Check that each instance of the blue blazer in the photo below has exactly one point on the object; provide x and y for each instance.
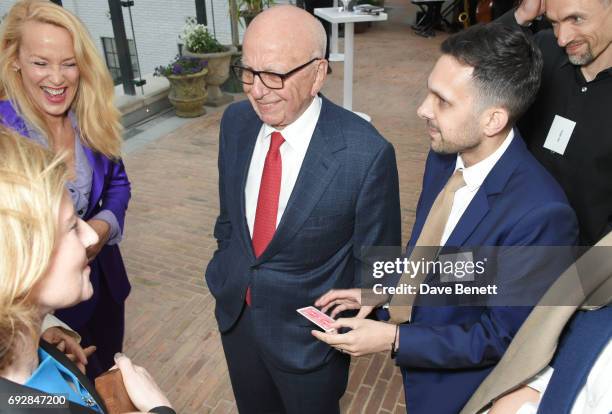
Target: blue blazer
(346, 196)
(581, 343)
(110, 190)
(446, 352)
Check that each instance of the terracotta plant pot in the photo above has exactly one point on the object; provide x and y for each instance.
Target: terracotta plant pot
(188, 93)
(218, 72)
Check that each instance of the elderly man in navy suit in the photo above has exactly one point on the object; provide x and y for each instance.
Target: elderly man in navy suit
(481, 187)
(303, 185)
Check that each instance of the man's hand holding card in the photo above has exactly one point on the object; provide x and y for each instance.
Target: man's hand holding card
(319, 318)
(365, 337)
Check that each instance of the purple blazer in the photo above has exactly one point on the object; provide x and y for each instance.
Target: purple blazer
(110, 190)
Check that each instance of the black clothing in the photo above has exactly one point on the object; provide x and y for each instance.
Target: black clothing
(585, 169)
(8, 388)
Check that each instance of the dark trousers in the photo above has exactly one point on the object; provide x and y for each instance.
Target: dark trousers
(104, 324)
(262, 388)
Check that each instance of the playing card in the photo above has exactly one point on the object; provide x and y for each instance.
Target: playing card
(317, 317)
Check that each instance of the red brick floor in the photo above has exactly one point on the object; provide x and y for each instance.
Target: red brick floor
(170, 323)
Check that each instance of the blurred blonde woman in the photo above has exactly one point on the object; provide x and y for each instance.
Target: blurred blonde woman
(43, 268)
(55, 90)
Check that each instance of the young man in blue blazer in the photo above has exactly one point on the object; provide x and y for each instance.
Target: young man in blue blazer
(485, 79)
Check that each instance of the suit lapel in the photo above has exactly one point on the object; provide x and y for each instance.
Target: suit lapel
(535, 343)
(575, 358)
(245, 152)
(10, 388)
(61, 358)
(494, 184)
(96, 161)
(10, 118)
(318, 169)
(472, 216)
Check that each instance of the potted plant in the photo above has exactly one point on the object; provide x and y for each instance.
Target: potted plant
(201, 44)
(248, 9)
(187, 77)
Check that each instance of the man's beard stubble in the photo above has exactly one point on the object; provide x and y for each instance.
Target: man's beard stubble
(469, 139)
(583, 58)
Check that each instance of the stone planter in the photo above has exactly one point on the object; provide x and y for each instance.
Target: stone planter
(218, 72)
(233, 84)
(188, 93)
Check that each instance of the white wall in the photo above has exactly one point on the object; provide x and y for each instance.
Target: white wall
(157, 24)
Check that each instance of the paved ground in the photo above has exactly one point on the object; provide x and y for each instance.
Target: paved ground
(170, 323)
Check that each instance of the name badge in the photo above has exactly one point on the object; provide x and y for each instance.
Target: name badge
(559, 134)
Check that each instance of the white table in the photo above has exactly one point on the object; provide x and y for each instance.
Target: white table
(334, 16)
(334, 55)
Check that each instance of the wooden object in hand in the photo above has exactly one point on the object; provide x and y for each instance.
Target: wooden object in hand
(112, 391)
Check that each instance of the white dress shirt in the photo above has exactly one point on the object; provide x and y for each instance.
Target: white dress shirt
(595, 396)
(297, 138)
(474, 176)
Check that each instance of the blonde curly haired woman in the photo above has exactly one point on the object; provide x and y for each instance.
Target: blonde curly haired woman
(55, 90)
(43, 268)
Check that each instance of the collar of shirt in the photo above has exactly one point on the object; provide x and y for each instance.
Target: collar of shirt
(580, 76)
(80, 188)
(475, 175)
(299, 132)
(53, 378)
(39, 137)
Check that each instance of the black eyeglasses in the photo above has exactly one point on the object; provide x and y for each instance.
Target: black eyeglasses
(271, 80)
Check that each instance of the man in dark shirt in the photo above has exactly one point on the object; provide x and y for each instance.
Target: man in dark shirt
(569, 126)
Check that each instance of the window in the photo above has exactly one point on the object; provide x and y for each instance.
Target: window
(112, 58)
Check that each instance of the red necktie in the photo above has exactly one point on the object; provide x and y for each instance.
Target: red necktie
(267, 202)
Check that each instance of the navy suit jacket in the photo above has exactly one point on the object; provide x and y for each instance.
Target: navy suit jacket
(584, 338)
(346, 196)
(446, 352)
